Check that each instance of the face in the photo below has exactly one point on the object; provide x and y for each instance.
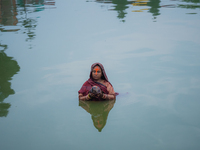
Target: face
(96, 73)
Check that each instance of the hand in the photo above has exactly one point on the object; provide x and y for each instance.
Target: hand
(105, 96)
(91, 95)
(99, 95)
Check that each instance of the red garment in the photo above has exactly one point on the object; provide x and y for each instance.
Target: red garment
(91, 82)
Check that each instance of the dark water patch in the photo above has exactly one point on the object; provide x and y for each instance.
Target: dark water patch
(4, 109)
(188, 6)
(153, 6)
(8, 68)
(191, 13)
(191, 1)
(121, 6)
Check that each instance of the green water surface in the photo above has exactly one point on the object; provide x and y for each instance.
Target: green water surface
(151, 53)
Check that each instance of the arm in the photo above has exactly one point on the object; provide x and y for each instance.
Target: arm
(108, 96)
(88, 97)
(111, 94)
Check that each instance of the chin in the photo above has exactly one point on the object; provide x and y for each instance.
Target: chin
(96, 78)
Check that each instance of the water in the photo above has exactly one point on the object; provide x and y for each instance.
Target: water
(150, 50)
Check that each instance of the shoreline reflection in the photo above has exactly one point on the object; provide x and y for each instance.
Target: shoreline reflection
(99, 111)
(14, 15)
(122, 5)
(8, 68)
(151, 6)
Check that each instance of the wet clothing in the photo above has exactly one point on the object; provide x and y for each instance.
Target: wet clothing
(106, 87)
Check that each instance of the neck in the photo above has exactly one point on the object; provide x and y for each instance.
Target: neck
(98, 80)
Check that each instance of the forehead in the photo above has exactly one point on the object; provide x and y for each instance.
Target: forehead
(97, 68)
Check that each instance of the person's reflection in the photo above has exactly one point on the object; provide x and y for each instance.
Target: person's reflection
(99, 111)
(8, 68)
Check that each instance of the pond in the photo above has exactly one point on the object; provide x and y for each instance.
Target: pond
(150, 50)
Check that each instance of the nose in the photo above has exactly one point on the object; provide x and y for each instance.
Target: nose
(96, 72)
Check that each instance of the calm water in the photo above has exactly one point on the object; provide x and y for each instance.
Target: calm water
(151, 53)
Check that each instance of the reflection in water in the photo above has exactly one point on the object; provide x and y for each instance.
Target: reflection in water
(99, 111)
(8, 68)
(14, 15)
(8, 14)
(191, 4)
(121, 5)
(31, 6)
(4, 109)
(30, 25)
(191, 1)
(152, 5)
